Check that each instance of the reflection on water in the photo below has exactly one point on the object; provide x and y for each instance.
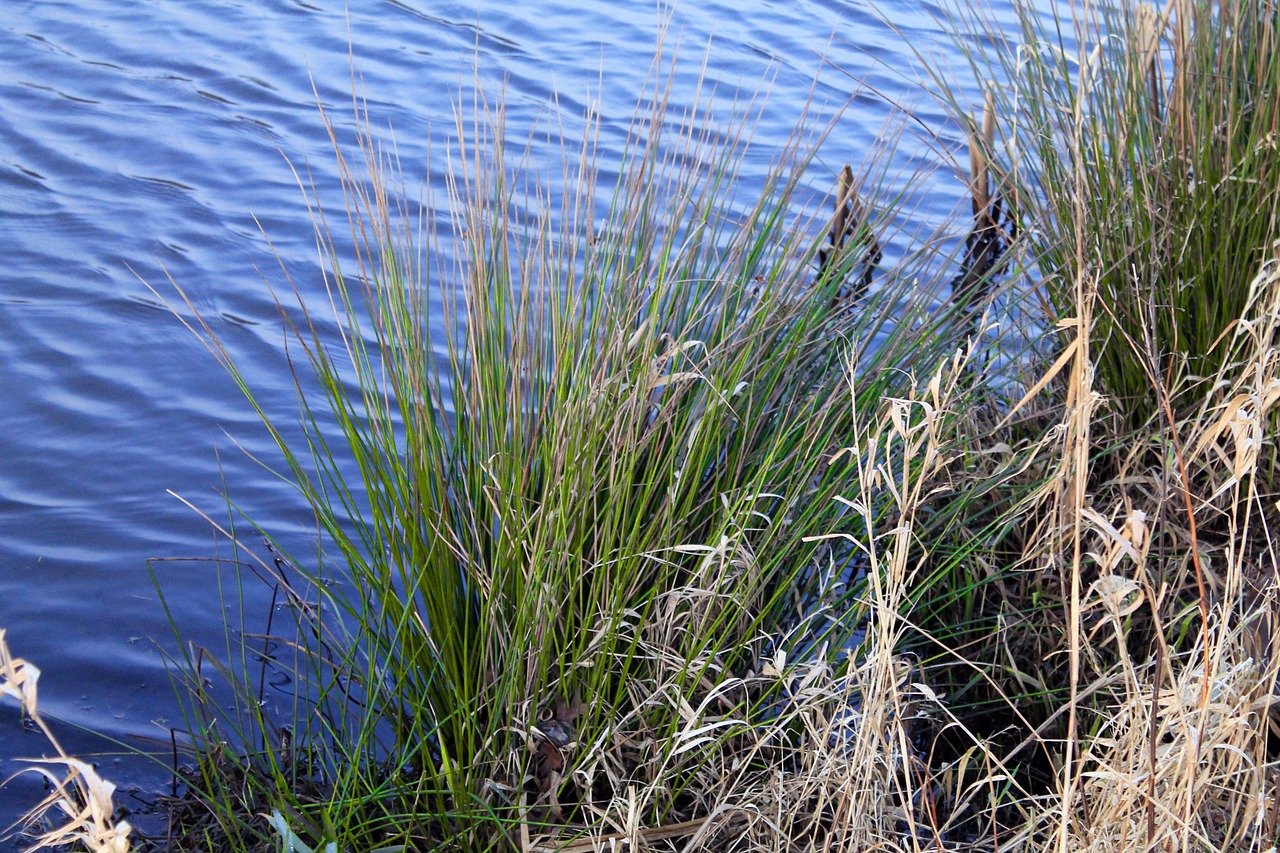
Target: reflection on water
(140, 138)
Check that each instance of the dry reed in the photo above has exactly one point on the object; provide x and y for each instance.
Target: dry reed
(83, 798)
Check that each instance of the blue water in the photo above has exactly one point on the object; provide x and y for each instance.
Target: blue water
(146, 140)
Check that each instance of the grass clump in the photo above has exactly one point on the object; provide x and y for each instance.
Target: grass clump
(1138, 146)
(1113, 539)
(569, 509)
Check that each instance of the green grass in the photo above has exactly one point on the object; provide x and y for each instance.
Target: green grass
(556, 536)
(1138, 146)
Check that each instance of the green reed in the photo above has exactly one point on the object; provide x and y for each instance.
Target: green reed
(603, 487)
(1137, 143)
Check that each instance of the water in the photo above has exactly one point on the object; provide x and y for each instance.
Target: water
(145, 140)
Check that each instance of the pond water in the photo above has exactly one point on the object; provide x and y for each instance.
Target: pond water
(140, 140)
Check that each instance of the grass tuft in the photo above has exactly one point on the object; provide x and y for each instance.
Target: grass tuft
(573, 464)
(1140, 145)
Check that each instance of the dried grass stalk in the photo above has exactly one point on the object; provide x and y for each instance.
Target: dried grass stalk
(84, 799)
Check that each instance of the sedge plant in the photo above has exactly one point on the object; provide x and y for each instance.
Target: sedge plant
(570, 460)
(1137, 143)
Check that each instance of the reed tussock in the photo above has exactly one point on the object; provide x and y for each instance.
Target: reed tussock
(1137, 143)
(574, 480)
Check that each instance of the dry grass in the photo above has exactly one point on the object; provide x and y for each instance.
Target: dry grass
(80, 797)
(1181, 557)
(1163, 581)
